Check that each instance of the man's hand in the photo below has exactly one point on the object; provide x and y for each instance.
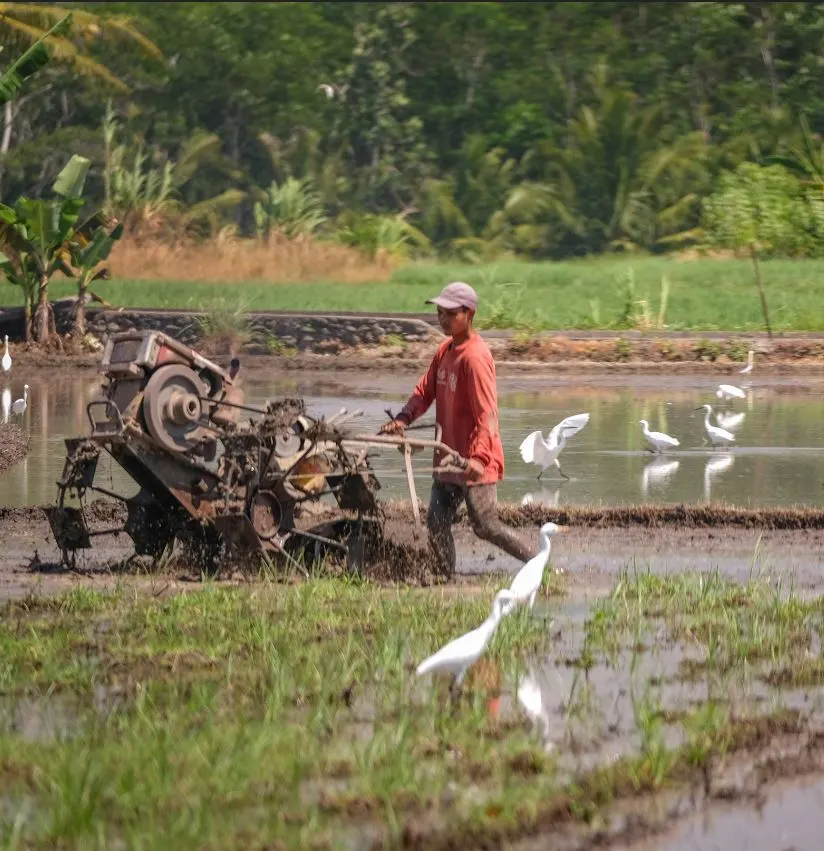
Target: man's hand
(393, 427)
(474, 470)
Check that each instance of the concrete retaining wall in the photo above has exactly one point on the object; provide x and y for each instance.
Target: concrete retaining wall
(263, 332)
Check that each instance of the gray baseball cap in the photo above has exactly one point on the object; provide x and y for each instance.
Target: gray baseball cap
(455, 295)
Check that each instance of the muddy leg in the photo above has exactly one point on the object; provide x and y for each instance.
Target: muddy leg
(443, 506)
(481, 505)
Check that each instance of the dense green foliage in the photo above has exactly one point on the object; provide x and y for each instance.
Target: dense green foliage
(476, 130)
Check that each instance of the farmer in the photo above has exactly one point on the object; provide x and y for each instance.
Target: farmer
(461, 382)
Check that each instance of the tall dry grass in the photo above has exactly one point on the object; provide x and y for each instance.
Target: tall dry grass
(229, 258)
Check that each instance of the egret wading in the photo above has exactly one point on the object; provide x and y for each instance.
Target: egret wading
(460, 654)
(748, 368)
(535, 450)
(20, 404)
(657, 440)
(5, 361)
(527, 582)
(730, 391)
(717, 436)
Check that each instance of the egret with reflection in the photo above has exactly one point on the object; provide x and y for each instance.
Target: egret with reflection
(20, 405)
(657, 440)
(461, 653)
(725, 392)
(5, 362)
(535, 450)
(717, 436)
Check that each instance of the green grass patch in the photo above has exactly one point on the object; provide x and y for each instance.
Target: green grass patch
(607, 292)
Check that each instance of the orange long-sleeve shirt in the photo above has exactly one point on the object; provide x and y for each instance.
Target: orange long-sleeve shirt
(461, 382)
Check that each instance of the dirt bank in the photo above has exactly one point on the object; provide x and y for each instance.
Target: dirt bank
(14, 445)
(519, 354)
(597, 544)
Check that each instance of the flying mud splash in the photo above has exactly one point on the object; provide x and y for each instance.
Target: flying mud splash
(215, 483)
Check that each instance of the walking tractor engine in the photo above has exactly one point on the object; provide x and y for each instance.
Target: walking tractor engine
(211, 480)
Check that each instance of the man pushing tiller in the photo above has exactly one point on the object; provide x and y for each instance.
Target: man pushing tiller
(461, 382)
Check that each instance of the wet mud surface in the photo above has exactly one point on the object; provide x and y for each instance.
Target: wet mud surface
(14, 445)
(593, 548)
(751, 796)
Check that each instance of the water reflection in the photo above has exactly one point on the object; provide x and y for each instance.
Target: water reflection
(5, 403)
(714, 467)
(779, 455)
(730, 421)
(531, 698)
(657, 472)
(542, 497)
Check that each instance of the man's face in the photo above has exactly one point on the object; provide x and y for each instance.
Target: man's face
(454, 322)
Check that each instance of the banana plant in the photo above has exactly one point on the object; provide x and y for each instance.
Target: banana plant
(34, 235)
(87, 249)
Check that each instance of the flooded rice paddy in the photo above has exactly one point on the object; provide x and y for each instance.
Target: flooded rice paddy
(777, 459)
(666, 687)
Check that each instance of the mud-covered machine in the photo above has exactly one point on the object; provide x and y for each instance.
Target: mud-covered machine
(212, 480)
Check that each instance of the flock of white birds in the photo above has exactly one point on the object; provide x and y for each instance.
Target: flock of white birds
(544, 452)
(19, 405)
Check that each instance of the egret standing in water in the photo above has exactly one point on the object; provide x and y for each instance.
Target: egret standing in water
(748, 368)
(657, 440)
(460, 654)
(535, 450)
(718, 436)
(20, 404)
(5, 361)
(730, 391)
(527, 582)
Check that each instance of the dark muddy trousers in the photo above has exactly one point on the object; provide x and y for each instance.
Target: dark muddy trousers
(481, 502)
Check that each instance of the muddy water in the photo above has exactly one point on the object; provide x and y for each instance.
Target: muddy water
(790, 818)
(778, 458)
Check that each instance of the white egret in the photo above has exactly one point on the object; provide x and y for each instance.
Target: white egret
(730, 421)
(328, 90)
(718, 436)
(5, 402)
(730, 391)
(748, 368)
(535, 450)
(527, 582)
(657, 439)
(461, 653)
(5, 361)
(658, 472)
(20, 404)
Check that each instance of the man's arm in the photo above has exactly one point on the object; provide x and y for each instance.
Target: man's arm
(422, 396)
(418, 403)
(483, 406)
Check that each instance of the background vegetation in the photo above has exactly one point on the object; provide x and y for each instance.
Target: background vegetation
(544, 130)
(338, 141)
